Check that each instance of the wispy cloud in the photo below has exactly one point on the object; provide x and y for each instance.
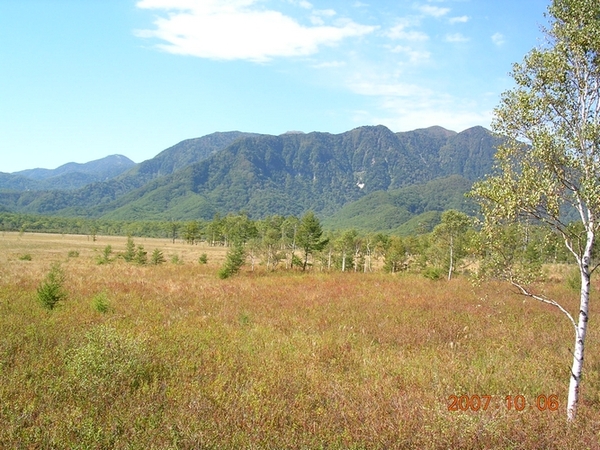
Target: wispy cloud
(434, 11)
(406, 106)
(414, 56)
(456, 38)
(498, 39)
(236, 29)
(459, 19)
(401, 32)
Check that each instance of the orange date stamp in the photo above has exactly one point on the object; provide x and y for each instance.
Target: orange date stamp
(511, 402)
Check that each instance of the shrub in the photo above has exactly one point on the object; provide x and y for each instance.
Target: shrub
(105, 257)
(51, 291)
(233, 262)
(108, 363)
(175, 259)
(141, 256)
(25, 257)
(73, 254)
(157, 257)
(203, 258)
(433, 273)
(100, 302)
(130, 253)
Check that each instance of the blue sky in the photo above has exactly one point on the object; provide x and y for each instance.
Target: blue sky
(80, 80)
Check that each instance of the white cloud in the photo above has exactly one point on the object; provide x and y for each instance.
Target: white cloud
(456, 37)
(406, 106)
(329, 65)
(305, 4)
(414, 56)
(434, 11)
(233, 29)
(498, 39)
(460, 19)
(400, 32)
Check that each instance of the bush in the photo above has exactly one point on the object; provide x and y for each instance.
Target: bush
(233, 262)
(433, 273)
(130, 253)
(141, 256)
(25, 257)
(108, 363)
(51, 291)
(100, 303)
(73, 254)
(105, 257)
(157, 257)
(203, 258)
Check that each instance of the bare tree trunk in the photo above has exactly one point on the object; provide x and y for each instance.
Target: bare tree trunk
(580, 332)
(451, 259)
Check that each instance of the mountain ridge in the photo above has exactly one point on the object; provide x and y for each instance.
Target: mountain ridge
(264, 175)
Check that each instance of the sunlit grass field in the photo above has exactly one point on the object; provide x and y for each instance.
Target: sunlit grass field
(178, 358)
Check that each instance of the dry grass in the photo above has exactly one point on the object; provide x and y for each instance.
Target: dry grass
(271, 361)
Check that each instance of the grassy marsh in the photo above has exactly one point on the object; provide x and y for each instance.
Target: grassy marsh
(182, 359)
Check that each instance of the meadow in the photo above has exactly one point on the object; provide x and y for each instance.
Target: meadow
(170, 356)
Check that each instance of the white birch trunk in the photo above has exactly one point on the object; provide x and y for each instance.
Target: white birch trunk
(451, 259)
(581, 329)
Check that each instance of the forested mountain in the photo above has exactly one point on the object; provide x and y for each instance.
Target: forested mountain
(413, 209)
(287, 174)
(68, 176)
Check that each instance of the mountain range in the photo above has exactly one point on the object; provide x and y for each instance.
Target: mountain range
(368, 177)
(68, 176)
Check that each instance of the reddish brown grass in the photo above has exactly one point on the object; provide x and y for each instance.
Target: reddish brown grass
(281, 360)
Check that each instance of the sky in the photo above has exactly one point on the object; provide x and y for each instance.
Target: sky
(81, 80)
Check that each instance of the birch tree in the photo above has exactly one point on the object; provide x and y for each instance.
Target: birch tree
(451, 232)
(550, 163)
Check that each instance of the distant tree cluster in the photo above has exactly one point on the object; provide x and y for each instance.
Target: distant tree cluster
(278, 242)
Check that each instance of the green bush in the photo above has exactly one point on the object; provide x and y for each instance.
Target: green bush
(105, 257)
(100, 302)
(130, 252)
(433, 273)
(203, 258)
(25, 257)
(73, 254)
(233, 261)
(157, 257)
(141, 256)
(51, 291)
(108, 363)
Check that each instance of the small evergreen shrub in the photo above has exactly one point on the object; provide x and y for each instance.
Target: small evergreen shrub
(130, 252)
(157, 257)
(100, 303)
(25, 257)
(51, 291)
(233, 261)
(105, 257)
(203, 258)
(141, 256)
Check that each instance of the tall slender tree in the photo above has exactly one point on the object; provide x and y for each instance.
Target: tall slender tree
(309, 236)
(551, 160)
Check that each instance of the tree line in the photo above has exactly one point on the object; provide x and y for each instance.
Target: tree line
(291, 242)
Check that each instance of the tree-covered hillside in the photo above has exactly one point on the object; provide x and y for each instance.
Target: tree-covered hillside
(288, 175)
